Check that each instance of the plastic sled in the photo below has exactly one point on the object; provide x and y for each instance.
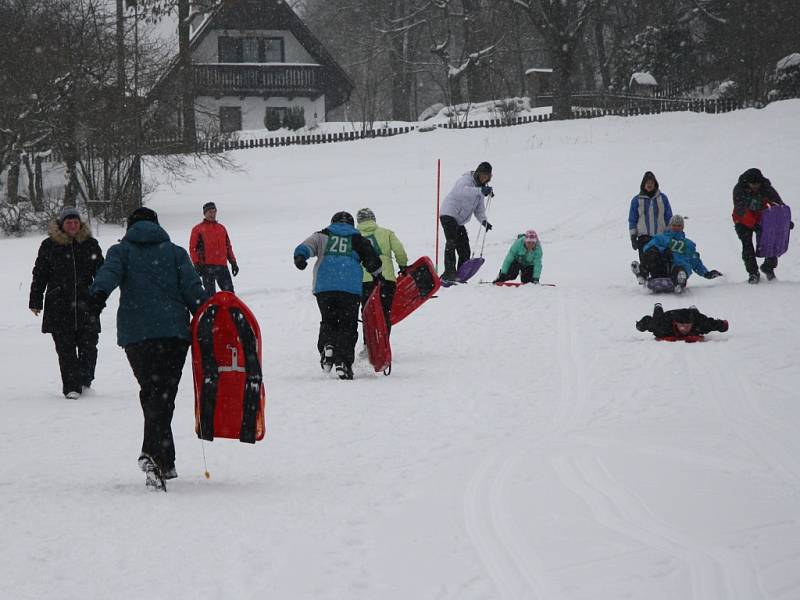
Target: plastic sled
(229, 397)
(773, 237)
(689, 339)
(414, 289)
(376, 333)
(469, 268)
(661, 285)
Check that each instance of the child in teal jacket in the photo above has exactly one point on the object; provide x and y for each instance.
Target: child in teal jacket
(524, 256)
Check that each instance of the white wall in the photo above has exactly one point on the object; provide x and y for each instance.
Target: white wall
(254, 108)
(208, 50)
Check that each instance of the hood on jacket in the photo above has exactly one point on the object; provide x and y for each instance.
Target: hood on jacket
(342, 229)
(62, 239)
(367, 226)
(146, 232)
(753, 176)
(648, 175)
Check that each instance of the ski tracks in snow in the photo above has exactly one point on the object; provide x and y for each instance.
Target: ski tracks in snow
(511, 562)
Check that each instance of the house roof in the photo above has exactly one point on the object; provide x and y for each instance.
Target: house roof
(643, 78)
(269, 14)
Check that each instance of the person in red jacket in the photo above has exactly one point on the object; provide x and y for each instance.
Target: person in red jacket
(211, 251)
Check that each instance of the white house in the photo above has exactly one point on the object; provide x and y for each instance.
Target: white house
(251, 58)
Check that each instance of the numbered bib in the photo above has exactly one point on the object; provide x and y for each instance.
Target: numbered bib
(339, 245)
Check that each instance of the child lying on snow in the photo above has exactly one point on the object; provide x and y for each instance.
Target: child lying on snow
(687, 324)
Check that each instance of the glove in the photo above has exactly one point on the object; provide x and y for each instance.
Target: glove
(36, 311)
(791, 225)
(487, 190)
(634, 242)
(756, 204)
(712, 274)
(96, 304)
(487, 225)
(300, 262)
(234, 269)
(402, 270)
(535, 280)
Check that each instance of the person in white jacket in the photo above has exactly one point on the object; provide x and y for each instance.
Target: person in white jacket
(464, 200)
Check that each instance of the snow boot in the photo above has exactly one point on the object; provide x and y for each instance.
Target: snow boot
(326, 358)
(680, 281)
(754, 278)
(154, 477)
(770, 273)
(72, 395)
(640, 278)
(344, 371)
(170, 473)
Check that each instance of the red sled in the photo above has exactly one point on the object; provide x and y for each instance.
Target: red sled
(376, 333)
(229, 396)
(689, 339)
(414, 289)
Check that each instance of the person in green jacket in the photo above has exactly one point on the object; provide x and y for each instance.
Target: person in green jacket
(524, 256)
(386, 245)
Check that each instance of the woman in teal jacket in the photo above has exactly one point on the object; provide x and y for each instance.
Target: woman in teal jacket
(524, 256)
(159, 289)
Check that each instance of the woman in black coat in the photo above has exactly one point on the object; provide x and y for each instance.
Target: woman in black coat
(65, 267)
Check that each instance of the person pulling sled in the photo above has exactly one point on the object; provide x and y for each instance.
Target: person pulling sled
(340, 250)
(680, 324)
(464, 200)
(673, 256)
(524, 258)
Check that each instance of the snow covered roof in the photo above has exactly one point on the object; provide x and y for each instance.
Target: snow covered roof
(642, 78)
(787, 62)
(538, 70)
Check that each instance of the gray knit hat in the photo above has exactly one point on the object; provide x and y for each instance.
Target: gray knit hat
(365, 214)
(676, 220)
(68, 212)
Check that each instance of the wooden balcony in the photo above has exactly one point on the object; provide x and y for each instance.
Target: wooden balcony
(257, 80)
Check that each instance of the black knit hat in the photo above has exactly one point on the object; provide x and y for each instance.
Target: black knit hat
(343, 217)
(142, 214)
(209, 206)
(484, 167)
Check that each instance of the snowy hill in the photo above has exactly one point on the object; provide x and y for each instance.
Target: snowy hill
(530, 443)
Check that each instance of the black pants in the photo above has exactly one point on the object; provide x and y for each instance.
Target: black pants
(77, 357)
(655, 264)
(641, 241)
(157, 366)
(339, 325)
(216, 274)
(745, 235)
(514, 270)
(388, 290)
(455, 240)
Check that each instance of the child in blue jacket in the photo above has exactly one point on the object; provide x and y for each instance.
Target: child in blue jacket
(672, 254)
(340, 250)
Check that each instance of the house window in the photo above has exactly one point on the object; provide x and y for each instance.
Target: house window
(273, 50)
(230, 50)
(250, 50)
(230, 119)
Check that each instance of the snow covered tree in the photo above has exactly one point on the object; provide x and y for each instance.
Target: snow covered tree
(561, 23)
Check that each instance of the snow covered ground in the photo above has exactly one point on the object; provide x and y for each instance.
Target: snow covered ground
(529, 443)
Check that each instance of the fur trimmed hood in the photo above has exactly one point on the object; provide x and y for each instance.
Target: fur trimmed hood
(62, 239)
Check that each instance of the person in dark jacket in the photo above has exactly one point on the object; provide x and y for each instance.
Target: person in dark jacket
(649, 214)
(340, 250)
(65, 268)
(159, 289)
(751, 195)
(679, 324)
(211, 250)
